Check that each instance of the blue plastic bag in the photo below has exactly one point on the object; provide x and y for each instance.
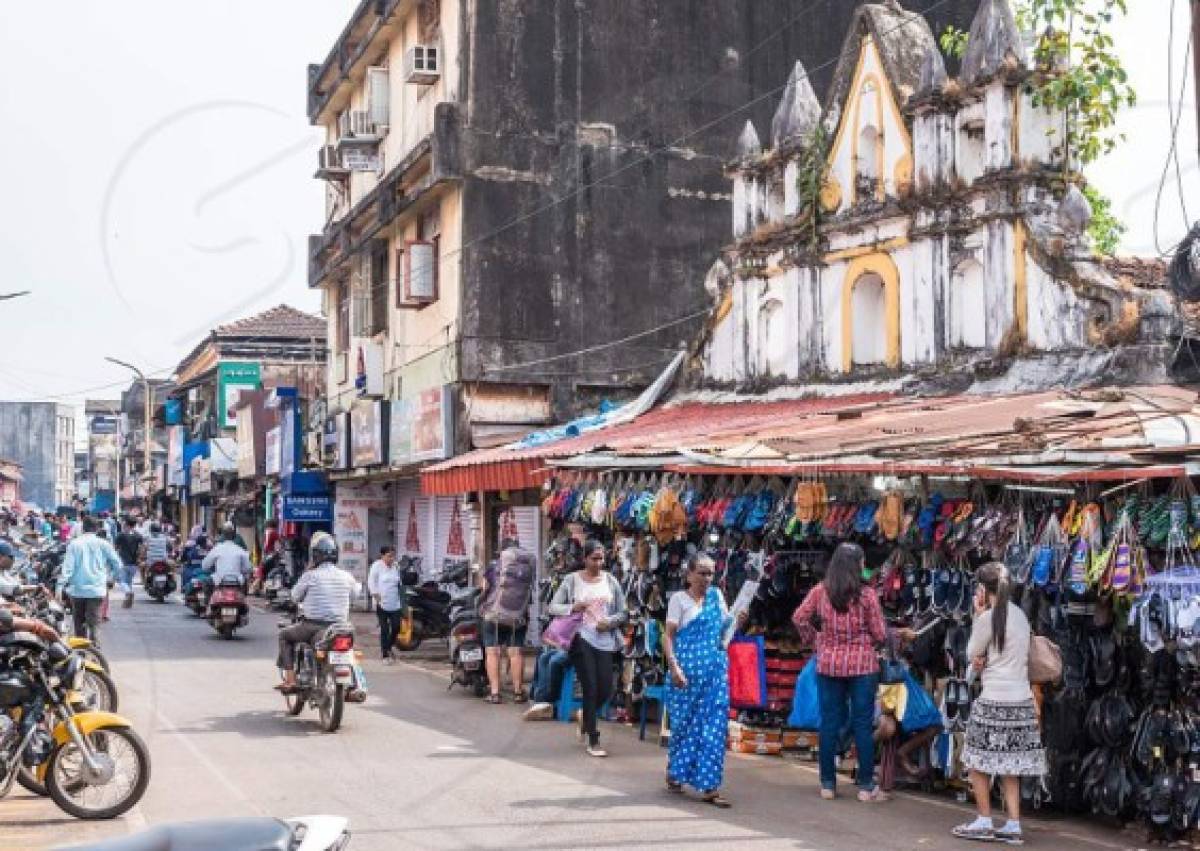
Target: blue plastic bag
(806, 705)
(920, 711)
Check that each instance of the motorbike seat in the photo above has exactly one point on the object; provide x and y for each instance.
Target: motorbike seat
(267, 834)
(230, 582)
(326, 636)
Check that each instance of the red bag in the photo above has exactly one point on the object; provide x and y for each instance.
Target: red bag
(747, 672)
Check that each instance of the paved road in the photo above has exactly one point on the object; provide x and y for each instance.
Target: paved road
(420, 767)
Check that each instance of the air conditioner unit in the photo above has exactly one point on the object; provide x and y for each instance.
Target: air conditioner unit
(422, 64)
(329, 163)
(355, 127)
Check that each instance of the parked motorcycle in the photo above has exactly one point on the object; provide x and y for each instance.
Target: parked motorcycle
(306, 833)
(429, 604)
(227, 606)
(466, 646)
(160, 581)
(92, 764)
(277, 587)
(328, 675)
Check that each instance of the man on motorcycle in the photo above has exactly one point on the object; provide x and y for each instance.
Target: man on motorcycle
(158, 549)
(227, 558)
(324, 592)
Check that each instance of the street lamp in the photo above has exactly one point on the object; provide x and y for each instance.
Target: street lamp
(145, 427)
(9, 296)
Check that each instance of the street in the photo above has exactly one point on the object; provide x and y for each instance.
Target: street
(420, 767)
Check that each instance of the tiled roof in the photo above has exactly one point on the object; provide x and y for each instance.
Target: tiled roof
(1149, 273)
(280, 321)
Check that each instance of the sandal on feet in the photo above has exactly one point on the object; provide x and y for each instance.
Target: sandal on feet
(284, 688)
(717, 800)
(828, 794)
(674, 786)
(521, 696)
(871, 796)
(494, 698)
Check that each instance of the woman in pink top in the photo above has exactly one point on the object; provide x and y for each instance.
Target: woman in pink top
(847, 624)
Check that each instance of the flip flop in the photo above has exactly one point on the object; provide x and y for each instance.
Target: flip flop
(717, 800)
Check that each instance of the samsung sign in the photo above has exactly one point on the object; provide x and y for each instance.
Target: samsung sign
(307, 509)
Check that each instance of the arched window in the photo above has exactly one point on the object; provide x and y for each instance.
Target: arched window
(868, 307)
(968, 314)
(772, 339)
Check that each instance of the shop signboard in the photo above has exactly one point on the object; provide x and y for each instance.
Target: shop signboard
(201, 476)
(271, 451)
(351, 525)
(287, 442)
(232, 379)
(367, 433)
(422, 427)
(223, 457)
(176, 436)
(102, 425)
(247, 462)
(300, 508)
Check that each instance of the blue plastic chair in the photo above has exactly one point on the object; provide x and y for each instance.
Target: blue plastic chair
(568, 702)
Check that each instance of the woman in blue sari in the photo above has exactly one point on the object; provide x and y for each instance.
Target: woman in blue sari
(698, 624)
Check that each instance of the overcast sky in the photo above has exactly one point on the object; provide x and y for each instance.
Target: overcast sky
(158, 173)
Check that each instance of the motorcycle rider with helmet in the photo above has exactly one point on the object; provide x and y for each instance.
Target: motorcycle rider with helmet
(324, 593)
(227, 558)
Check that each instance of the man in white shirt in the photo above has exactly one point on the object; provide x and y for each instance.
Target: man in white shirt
(227, 558)
(383, 582)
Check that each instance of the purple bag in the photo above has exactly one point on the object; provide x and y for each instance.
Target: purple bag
(562, 631)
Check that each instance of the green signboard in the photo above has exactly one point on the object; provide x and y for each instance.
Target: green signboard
(232, 379)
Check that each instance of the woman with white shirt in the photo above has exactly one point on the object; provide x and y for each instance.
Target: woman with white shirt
(1002, 734)
(596, 595)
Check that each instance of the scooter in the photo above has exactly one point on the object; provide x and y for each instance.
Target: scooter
(277, 588)
(227, 606)
(160, 581)
(466, 646)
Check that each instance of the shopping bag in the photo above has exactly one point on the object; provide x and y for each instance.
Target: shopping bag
(806, 705)
(920, 711)
(747, 672)
(562, 630)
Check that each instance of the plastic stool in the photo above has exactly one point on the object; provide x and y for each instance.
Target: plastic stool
(568, 702)
(652, 693)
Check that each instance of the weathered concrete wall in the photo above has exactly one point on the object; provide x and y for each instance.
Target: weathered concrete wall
(27, 436)
(594, 96)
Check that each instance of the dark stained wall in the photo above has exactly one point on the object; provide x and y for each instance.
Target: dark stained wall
(594, 137)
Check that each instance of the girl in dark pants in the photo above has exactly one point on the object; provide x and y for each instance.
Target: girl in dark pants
(596, 595)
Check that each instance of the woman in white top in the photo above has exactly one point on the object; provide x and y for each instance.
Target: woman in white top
(596, 594)
(1002, 734)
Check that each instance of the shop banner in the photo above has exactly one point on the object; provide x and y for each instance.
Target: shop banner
(247, 461)
(176, 436)
(368, 434)
(287, 442)
(232, 379)
(298, 508)
(201, 476)
(224, 455)
(422, 427)
(439, 531)
(350, 525)
(271, 451)
(341, 449)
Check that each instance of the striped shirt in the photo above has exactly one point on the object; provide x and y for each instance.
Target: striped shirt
(846, 641)
(325, 592)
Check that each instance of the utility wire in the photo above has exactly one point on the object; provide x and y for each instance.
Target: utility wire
(1174, 118)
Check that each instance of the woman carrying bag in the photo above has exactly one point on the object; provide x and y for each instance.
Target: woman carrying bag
(596, 595)
(698, 624)
(1002, 733)
(846, 621)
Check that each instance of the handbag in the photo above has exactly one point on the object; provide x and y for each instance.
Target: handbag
(562, 631)
(892, 670)
(1045, 661)
(747, 672)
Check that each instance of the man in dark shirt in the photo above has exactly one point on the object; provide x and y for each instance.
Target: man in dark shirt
(128, 545)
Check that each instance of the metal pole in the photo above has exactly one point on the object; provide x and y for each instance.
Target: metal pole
(146, 442)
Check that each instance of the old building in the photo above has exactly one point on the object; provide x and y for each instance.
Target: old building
(40, 436)
(104, 432)
(511, 183)
(279, 347)
(919, 224)
(10, 483)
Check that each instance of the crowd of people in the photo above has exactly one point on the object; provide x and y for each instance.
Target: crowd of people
(841, 619)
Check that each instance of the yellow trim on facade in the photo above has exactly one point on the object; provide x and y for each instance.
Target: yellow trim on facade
(864, 250)
(1020, 284)
(882, 265)
(839, 137)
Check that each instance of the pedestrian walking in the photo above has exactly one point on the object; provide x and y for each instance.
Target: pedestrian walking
(845, 620)
(89, 565)
(698, 627)
(1002, 732)
(128, 545)
(597, 595)
(383, 583)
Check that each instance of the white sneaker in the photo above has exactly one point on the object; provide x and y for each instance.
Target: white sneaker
(596, 750)
(539, 712)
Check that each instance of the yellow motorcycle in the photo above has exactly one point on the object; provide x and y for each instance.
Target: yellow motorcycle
(91, 763)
